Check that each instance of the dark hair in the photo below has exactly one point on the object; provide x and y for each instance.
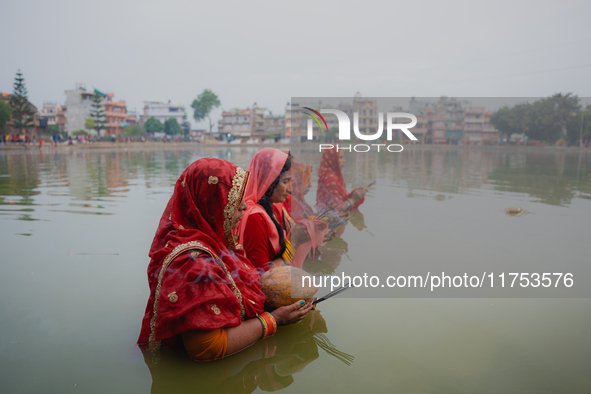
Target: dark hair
(266, 203)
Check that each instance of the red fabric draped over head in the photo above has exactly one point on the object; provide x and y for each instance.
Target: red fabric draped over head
(199, 278)
(332, 190)
(265, 167)
(302, 174)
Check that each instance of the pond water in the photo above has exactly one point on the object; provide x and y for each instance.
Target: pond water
(77, 225)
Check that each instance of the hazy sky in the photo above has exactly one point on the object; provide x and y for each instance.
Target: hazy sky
(267, 52)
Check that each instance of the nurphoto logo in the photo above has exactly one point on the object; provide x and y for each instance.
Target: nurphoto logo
(392, 123)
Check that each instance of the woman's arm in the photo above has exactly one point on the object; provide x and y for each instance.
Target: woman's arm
(237, 338)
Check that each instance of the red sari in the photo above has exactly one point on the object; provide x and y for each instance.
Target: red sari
(332, 190)
(256, 230)
(199, 278)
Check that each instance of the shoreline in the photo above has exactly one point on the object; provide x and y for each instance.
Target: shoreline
(192, 145)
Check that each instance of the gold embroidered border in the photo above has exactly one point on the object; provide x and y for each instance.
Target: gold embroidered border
(171, 256)
(234, 199)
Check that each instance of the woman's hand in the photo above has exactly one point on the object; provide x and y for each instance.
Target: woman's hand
(359, 194)
(291, 314)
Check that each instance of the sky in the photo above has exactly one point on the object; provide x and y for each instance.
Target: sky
(267, 52)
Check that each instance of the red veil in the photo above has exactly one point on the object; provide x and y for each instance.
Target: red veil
(265, 167)
(332, 190)
(302, 174)
(199, 278)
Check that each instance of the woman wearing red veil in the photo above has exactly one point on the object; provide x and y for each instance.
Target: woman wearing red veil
(332, 190)
(204, 292)
(265, 239)
(302, 176)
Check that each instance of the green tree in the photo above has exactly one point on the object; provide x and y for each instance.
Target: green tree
(89, 124)
(22, 110)
(5, 115)
(172, 127)
(186, 126)
(203, 105)
(574, 129)
(153, 125)
(135, 131)
(97, 111)
(500, 120)
(79, 132)
(53, 129)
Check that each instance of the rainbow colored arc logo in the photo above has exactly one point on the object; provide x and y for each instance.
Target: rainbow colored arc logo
(315, 118)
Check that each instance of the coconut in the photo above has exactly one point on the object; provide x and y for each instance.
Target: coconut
(277, 286)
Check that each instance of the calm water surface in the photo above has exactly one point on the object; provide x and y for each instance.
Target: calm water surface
(77, 225)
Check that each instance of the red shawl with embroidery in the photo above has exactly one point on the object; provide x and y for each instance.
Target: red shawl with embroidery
(199, 278)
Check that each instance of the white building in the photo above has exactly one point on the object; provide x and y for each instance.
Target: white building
(78, 102)
(163, 112)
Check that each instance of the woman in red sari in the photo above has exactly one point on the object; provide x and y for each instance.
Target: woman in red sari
(203, 290)
(261, 232)
(332, 190)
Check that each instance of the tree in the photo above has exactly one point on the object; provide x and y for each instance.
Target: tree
(53, 129)
(153, 126)
(79, 132)
(547, 119)
(186, 126)
(5, 115)
(97, 111)
(134, 130)
(500, 120)
(172, 127)
(22, 111)
(574, 128)
(203, 105)
(89, 124)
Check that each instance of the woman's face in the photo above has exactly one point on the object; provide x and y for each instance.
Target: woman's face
(282, 189)
(341, 159)
(238, 214)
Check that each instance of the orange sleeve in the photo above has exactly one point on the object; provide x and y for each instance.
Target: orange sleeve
(206, 345)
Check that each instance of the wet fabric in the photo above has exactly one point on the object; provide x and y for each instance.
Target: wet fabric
(206, 345)
(332, 190)
(199, 277)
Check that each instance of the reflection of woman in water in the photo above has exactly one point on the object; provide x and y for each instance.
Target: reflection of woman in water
(204, 293)
(332, 190)
(268, 365)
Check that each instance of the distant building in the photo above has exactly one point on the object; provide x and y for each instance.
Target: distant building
(116, 116)
(473, 125)
(451, 109)
(163, 112)
(52, 114)
(79, 107)
(62, 117)
(274, 125)
(78, 102)
(245, 124)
